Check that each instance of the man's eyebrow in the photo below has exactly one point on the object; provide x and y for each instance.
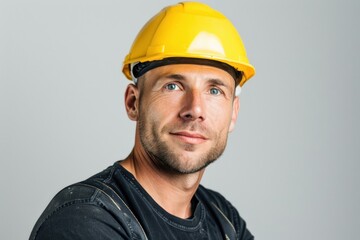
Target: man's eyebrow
(211, 81)
(175, 76)
(218, 82)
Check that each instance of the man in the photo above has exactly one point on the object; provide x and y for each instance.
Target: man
(186, 64)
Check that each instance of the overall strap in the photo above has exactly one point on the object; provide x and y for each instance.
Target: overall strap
(123, 211)
(226, 226)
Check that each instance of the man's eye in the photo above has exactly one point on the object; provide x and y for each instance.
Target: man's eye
(172, 87)
(215, 91)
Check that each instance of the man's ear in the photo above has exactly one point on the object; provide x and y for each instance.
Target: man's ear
(235, 112)
(132, 102)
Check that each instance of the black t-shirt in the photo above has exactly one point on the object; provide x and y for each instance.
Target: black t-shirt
(80, 213)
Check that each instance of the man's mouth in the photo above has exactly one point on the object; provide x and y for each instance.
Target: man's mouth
(189, 137)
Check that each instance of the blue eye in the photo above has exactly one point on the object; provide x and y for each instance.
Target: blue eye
(171, 86)
(215, 91)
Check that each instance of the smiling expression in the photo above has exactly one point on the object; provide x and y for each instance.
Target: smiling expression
(185, 113)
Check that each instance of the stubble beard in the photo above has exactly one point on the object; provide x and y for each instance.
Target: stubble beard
(164, 158)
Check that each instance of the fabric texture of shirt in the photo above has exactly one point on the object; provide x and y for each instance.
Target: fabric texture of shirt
(82, 212)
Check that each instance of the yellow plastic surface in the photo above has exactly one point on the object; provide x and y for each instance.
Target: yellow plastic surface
(193, 30)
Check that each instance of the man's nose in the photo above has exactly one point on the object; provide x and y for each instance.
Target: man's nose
(193, 106)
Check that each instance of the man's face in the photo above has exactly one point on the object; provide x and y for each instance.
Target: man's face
(185, 114)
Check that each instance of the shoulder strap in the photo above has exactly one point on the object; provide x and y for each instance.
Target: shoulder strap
(136, 229)
(138, 232)
(226, 226)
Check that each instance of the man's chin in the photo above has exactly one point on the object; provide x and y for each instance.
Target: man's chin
(186, 165)
(193, 169)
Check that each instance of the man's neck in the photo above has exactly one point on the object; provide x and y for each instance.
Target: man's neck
(173, 192)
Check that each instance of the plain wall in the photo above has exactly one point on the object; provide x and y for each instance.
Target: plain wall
(292, 164)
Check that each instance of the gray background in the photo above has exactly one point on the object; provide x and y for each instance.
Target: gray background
(292, 164)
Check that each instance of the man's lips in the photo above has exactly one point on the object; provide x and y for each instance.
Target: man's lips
(189, 137)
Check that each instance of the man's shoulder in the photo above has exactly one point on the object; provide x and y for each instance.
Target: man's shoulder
(76, 208)
(80, 192)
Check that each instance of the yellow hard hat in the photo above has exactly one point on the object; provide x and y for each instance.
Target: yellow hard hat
(189, 30)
